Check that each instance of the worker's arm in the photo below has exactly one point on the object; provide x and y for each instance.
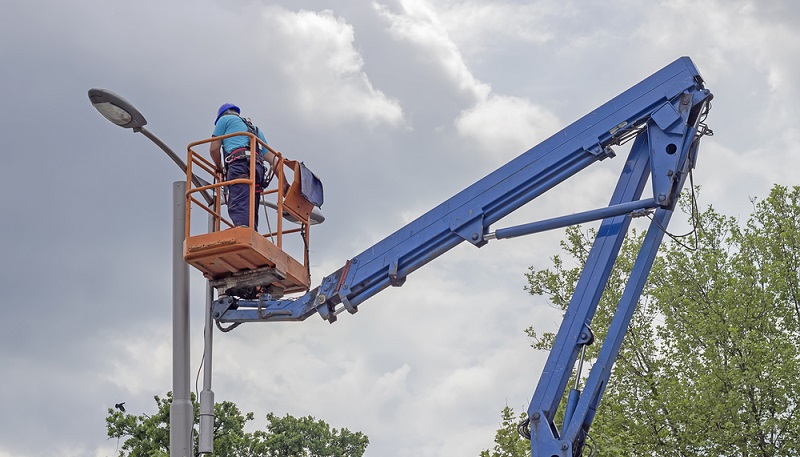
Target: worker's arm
(269, 157)
(214, 150)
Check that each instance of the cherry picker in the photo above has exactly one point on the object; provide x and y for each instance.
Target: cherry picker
(663, 116)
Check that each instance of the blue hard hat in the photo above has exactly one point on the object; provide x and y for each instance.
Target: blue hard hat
(224, 108)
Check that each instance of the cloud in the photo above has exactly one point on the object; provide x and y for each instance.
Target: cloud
(136, 355)
(418, 23)
(479, 27)
(325, 77)
(496, 123)
(505, 126)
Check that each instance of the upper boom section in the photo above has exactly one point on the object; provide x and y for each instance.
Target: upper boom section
(672, 99)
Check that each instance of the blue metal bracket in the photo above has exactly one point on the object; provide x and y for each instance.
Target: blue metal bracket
(394, 279)
(586, 336)
(470, 227)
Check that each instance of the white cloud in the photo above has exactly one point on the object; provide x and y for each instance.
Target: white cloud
(324, 72)
(497, 123)
(419, 24)
(137, 355)
(506, 126)
(480, 26)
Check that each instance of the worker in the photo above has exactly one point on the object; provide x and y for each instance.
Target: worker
(235, 154)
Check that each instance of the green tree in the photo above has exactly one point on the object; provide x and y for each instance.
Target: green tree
(507, 441)
(148, 436)
(305, 437)
(711, 362)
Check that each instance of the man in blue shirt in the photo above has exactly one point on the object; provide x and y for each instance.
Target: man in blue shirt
(235, 151)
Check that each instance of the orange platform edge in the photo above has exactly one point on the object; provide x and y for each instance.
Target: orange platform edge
(223, 253)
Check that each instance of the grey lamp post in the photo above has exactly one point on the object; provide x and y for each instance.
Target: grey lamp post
(181, 418)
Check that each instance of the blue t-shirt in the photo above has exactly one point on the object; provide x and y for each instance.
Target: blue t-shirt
(230, 123)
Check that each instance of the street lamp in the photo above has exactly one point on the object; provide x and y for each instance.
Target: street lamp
(181, 419)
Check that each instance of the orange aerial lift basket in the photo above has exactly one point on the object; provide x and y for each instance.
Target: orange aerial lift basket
(240, 261)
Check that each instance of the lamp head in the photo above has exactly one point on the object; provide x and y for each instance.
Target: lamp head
(116, 109)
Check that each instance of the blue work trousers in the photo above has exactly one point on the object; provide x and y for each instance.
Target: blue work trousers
(239, 194)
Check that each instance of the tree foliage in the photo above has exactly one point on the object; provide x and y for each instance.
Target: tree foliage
(287, 436)
(711, 362)
(507, 442)
(292, 437)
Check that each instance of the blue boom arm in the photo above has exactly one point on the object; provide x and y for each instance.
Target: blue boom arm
(663, 115)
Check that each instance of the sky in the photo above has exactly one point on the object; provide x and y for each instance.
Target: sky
(396, 105)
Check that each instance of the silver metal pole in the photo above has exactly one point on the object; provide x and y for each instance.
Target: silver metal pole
(206, 442)
(172, 155)
(181, 412)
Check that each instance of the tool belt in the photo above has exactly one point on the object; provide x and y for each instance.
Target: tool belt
(242, 154)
